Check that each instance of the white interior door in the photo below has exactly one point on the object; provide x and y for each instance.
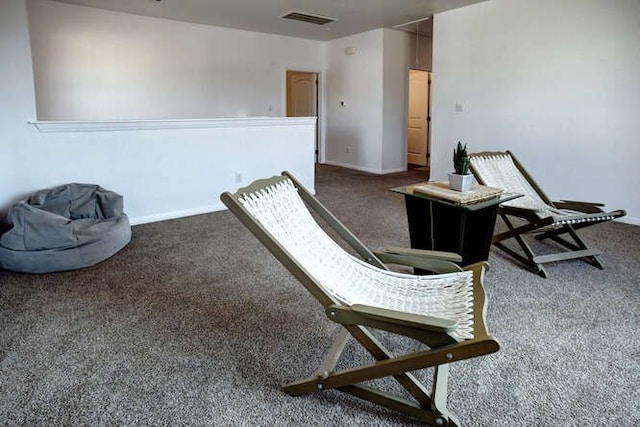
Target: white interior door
(419, 120)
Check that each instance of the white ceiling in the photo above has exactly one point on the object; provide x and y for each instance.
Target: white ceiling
(352, 16)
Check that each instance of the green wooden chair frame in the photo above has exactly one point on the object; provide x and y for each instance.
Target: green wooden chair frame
(442, 349)
(563, 233)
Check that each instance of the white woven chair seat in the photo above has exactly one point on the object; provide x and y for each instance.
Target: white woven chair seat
(499, 170)
(281, 211)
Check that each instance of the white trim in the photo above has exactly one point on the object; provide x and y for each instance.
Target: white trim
(354, 167)
(164, 216)
(628, 220)
(177, 214)
(119, 125)
(394, 170)
(364, 169)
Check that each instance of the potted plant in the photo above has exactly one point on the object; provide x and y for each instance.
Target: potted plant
(461, 179)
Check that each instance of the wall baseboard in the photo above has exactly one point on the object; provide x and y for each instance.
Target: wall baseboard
(629, 220)
(185, 212)
(364, 169)
(177, 214)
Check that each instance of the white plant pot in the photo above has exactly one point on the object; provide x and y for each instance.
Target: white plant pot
(460, 182)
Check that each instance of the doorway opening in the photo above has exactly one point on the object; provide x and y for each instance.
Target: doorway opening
(419, 120)
(302, 98)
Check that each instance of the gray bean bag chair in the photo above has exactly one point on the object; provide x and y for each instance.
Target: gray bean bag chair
(64, 228)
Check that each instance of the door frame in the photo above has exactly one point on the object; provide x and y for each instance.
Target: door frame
(429, 121)
(320, 126)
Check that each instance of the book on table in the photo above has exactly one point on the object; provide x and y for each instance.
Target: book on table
(441, 190)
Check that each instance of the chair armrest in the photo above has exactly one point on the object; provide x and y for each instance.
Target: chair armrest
(480, 266)
(437, 262)
(445, 256)
(585, 207)
(517, 211)
(367, 315)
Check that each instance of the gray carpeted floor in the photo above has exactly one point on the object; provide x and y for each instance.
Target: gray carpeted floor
(194, 323)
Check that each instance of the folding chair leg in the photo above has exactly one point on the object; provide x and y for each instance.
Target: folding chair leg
(596, 262)
(430, 407)
(440, 386)
(380, 353)
(577, 249)
(377, 350)
(528, 261)
(400, 405)
(563, 242)
(580, 248)
(555, 235)
(594, 259)
(329, 363)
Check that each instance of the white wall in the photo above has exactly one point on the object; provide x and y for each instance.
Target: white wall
(92, 64)
(368, 133)
(181, 171)
(16, 100)
(395, 104)
(354, 131)
(161, 173)
(555, 81)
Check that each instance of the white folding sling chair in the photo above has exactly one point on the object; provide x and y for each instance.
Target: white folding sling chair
(541, 217)
(443, 311)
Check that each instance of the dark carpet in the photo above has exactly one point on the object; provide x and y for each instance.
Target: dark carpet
(195, 323)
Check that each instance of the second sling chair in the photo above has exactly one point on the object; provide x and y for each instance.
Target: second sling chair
(443, 311)
(545, 219)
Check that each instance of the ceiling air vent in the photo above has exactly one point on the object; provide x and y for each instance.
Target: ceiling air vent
(306, 17)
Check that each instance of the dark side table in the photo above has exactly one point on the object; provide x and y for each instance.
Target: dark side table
(443, 225)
